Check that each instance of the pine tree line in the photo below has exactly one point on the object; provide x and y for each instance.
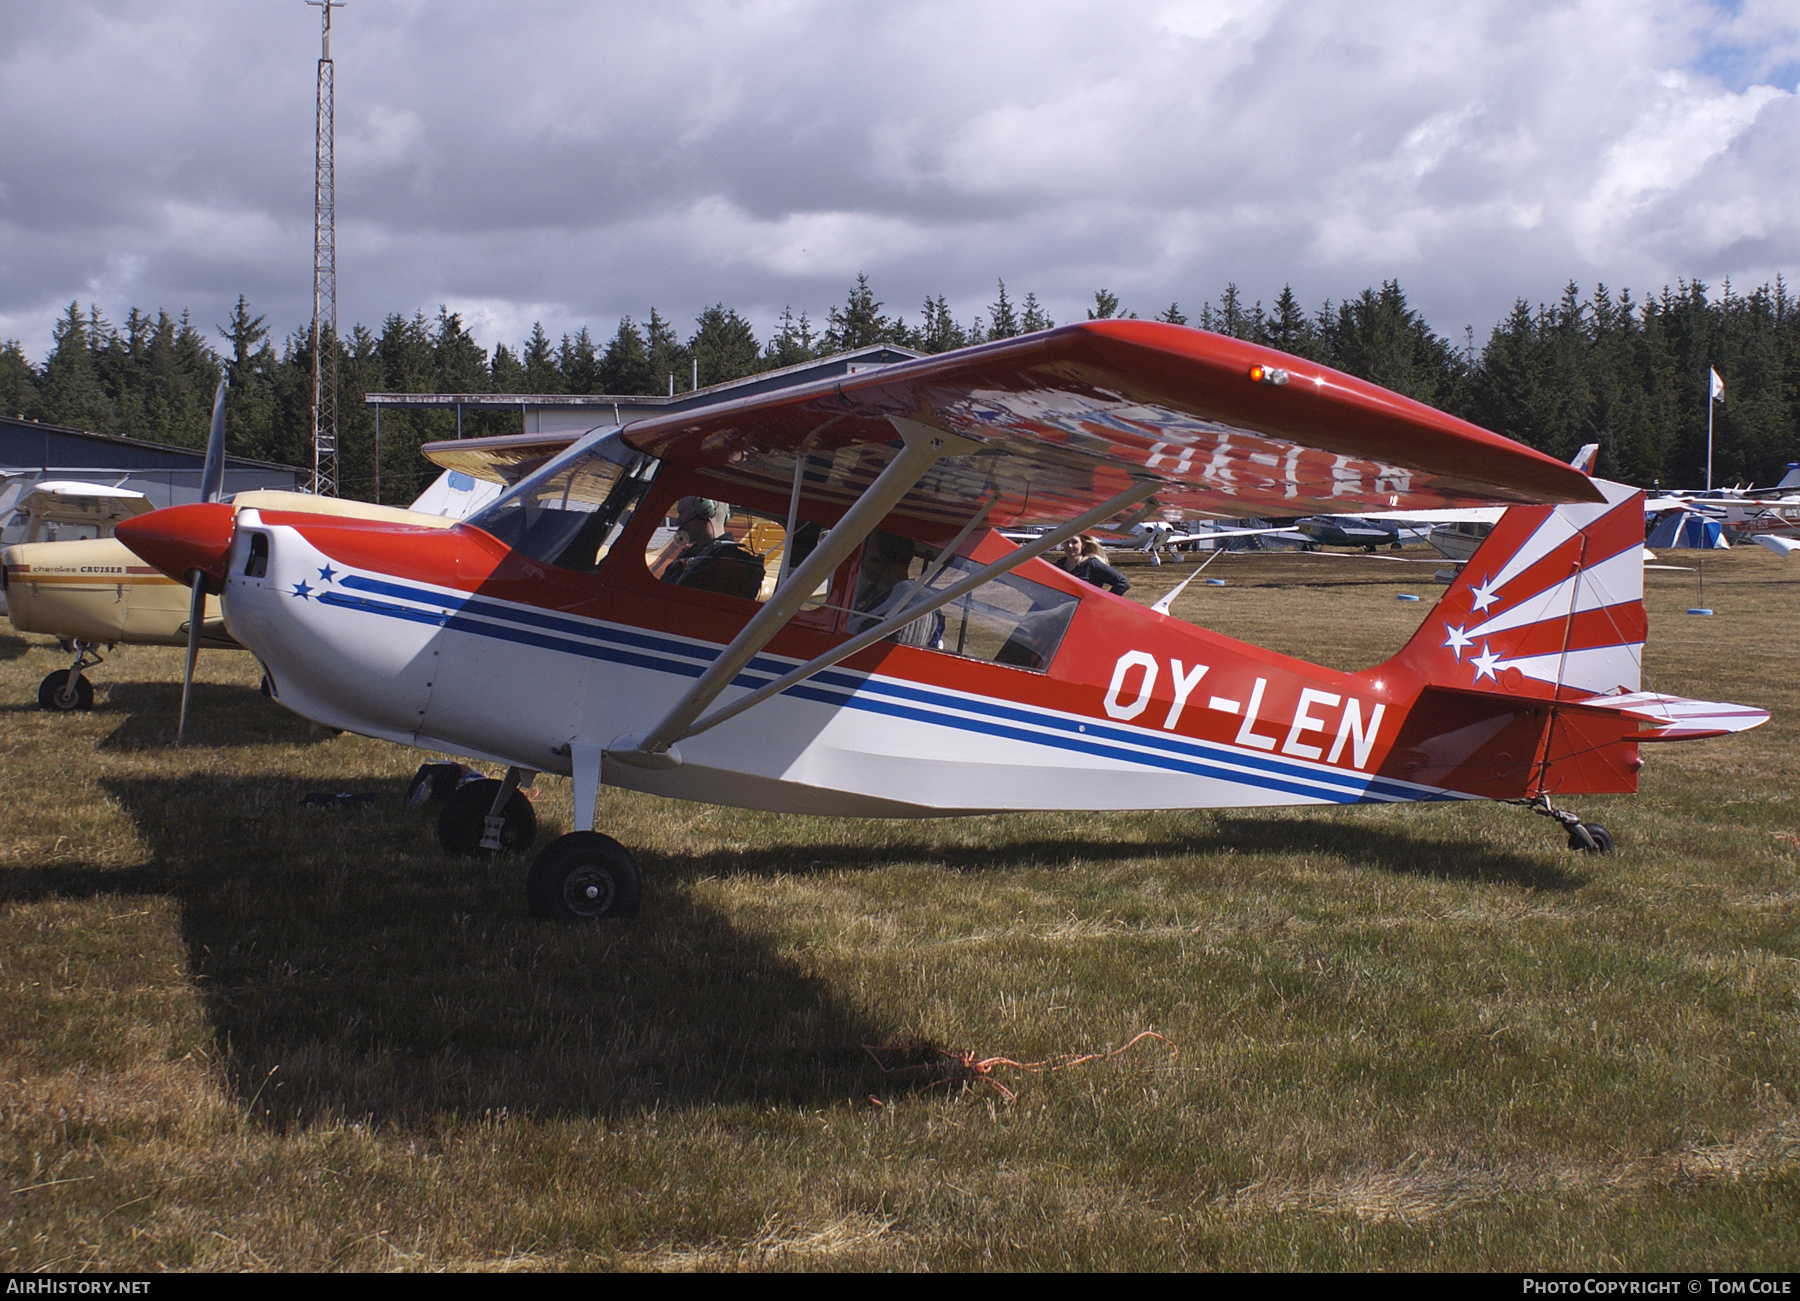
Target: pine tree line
(1629, 375)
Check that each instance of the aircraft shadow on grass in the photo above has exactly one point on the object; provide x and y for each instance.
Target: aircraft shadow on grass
(1405, 851)
(12, 648)
(350, 970)
(218, 715)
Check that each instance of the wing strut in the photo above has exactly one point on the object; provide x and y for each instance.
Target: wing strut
(1012, 560)
(922, 447)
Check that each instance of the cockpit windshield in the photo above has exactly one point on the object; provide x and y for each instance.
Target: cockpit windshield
(570, 512)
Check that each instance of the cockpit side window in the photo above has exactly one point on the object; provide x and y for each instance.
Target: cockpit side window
(570, 514)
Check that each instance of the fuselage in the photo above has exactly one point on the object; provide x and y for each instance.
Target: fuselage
(96, 590)
(450, 640)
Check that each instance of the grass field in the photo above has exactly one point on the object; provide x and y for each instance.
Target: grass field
(239, 1033)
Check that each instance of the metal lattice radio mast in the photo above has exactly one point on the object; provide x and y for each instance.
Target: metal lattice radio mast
(324, 331)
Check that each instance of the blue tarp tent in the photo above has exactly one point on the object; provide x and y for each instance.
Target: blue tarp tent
(1684, 529)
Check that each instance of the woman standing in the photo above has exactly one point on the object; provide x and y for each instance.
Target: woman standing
(1085, 558)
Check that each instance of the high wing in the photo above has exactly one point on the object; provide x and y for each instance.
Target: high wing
(73, 501)
(1063, 420)
(505, 459)
(1468, 515)
(1217, 535)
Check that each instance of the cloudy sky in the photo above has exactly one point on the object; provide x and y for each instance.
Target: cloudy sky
(571, 161)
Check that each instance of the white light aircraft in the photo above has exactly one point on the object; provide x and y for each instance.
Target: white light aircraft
(883, 651)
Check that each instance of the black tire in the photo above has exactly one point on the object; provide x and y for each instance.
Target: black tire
(434, 783)
(1603, 841)
(52, 694)
(464, 819)
(584, 876)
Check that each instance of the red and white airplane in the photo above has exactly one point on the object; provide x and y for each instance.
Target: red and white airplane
(848, 633)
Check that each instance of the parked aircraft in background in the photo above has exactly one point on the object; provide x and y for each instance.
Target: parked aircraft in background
(1357, 531)
(90, 591)
(1740, 514)
(45, 510)
(1152, 538)
(895, 656)
(1458, 534)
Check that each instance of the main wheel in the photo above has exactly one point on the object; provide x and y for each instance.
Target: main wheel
(464, 820)
(584, 876)
(54, 693)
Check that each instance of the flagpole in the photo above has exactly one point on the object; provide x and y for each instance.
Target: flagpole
(1709, 407)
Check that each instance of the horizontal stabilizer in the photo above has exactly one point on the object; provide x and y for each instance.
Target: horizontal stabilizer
(1676, 718)
(1783, 547)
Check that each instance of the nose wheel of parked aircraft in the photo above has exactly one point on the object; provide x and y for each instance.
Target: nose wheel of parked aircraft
(67, 690)
(584, 876)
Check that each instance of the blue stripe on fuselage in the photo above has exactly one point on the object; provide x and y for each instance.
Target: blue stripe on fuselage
(590, 639)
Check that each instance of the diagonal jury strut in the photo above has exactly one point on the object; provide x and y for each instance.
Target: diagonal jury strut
(922, 447)
(1012, 560)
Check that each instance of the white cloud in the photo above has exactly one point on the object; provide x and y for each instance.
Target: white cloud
(1674, 137)
(572, 162)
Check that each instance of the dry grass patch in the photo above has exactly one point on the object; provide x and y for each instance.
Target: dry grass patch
(242, 1034)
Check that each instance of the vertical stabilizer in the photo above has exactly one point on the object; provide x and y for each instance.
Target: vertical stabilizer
(1550, 607)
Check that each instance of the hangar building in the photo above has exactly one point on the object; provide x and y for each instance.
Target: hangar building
(168, 476)
(544, 413)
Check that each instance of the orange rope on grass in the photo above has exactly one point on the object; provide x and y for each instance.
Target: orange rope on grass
(963, 1067)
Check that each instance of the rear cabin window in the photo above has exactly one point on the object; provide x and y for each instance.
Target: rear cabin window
(1010, 620)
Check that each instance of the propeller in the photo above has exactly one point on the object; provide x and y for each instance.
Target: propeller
(212, 481)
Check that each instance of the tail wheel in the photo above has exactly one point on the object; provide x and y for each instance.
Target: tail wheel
(1602, 838)
(463, 822)
(56, 693)
(584, 876)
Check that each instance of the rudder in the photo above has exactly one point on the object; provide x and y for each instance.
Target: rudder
(1550, 607)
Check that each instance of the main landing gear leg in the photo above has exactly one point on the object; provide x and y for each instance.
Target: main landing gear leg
(1584, 837)
(493, 826)
(584, 876)
(67, 690)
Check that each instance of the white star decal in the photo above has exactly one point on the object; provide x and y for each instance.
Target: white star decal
(1486, 595)
(1484, 664)
(1457, 640)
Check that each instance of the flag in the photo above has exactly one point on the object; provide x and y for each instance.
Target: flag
(1718, 385)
